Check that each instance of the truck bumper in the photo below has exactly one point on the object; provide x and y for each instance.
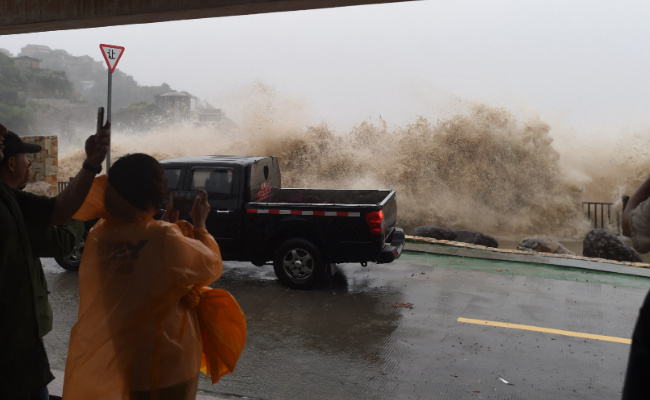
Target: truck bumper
(391, 251)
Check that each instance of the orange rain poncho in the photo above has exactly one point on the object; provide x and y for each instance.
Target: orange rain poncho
(144, 310)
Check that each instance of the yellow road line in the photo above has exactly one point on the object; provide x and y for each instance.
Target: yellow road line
(546, 330)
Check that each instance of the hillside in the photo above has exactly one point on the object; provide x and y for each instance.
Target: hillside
(18, 85)
(44, 90)
(90, 78)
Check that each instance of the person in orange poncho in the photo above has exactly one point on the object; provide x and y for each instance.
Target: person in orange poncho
(137, 336)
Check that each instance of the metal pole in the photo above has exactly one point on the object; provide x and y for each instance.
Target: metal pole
(108, 118)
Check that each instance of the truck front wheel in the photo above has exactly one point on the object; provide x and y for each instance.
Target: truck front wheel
(298, 264)
(72, 261)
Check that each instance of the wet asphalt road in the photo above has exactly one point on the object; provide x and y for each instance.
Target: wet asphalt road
(393, 331)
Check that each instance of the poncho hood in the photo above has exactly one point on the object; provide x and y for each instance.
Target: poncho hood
(103, 201)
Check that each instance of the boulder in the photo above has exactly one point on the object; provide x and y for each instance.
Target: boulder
(543, 245)
(457, 235)
(600, 243)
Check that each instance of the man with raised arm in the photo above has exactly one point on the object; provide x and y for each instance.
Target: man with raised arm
(24, 367)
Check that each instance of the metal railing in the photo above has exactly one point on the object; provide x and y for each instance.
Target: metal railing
(601, 215)
(61, 186)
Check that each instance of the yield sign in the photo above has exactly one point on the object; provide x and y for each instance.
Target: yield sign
(112, 55)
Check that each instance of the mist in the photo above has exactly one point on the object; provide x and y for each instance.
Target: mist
(479, 167)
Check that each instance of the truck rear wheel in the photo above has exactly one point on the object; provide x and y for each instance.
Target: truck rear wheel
(298, 264)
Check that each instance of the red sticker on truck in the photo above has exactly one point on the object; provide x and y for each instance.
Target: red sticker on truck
(264, 192)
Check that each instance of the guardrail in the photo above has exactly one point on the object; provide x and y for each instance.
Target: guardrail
(600, 214)
(596, 206)
(61, 186)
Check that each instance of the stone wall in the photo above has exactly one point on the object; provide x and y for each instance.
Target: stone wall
(45, 165)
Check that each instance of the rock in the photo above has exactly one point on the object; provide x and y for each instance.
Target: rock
(457, 235)
(600, 243)
(543, 245)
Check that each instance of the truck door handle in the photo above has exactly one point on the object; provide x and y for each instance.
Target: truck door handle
(223, 211)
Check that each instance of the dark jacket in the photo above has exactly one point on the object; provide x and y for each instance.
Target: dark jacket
(24, 367)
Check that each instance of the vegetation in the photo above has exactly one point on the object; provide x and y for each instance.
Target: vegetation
(17, 84)
(90, 79)
(61, 94)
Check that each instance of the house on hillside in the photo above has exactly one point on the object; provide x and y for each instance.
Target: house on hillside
(35, 50)
(27, 62)
(183, 106)
(176, 105)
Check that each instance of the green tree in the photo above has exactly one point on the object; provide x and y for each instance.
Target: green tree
(17, 117)
(14, 112)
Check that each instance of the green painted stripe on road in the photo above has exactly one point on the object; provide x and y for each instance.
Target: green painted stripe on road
(546, 271)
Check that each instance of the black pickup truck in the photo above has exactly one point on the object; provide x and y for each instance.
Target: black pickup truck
(302, 232)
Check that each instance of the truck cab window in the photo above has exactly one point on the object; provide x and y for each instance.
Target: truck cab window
(218, 183)
(172, 178)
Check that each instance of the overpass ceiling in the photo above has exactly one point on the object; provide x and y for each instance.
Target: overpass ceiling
(24, 16)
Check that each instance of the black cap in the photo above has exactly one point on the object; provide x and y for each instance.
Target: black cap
(13, 145)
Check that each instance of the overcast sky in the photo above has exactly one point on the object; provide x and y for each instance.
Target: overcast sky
(581, 66)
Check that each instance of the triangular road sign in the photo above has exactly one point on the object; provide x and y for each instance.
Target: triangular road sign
(112, 55)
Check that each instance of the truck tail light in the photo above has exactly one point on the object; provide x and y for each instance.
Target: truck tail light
(375, 221)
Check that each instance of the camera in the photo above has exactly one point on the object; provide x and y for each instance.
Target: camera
(182, 201)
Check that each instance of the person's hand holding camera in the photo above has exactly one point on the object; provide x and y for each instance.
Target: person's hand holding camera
(170, 215)
(200, 209)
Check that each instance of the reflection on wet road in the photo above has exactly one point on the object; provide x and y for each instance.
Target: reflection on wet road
(392, 331)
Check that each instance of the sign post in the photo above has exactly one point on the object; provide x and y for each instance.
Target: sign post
(112, 55)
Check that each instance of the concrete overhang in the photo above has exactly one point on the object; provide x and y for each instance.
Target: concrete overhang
(24, 16)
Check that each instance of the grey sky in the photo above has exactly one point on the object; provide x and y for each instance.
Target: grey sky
(580, 65)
